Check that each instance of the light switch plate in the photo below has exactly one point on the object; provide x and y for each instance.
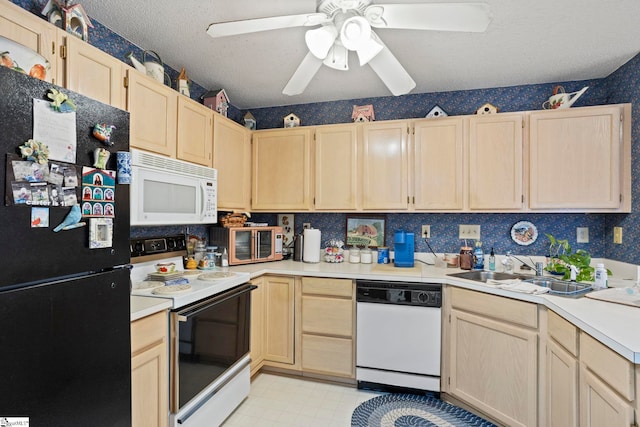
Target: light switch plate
(582, 234)
(617, 235)
(467, 231)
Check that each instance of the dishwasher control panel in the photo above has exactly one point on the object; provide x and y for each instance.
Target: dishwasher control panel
(399, 293)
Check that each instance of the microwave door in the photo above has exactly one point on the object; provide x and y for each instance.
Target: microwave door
(264, 246)
(242, 245)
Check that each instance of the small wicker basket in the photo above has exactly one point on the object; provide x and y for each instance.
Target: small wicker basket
(233, 220)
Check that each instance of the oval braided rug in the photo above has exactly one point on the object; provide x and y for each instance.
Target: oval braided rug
(400, 410)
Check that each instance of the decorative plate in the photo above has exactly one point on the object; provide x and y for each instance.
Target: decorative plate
(20, 58)
(524, 233)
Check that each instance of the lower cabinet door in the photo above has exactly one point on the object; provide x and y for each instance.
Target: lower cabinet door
(328, 355)
(149, 388)
(562, 387)
(601, 406)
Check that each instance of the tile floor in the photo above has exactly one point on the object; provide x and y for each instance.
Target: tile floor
(282, 401)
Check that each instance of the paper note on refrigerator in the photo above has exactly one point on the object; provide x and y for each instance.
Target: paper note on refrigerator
(57, 130)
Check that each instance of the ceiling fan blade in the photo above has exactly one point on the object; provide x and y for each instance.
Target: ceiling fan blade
(392, 73)
(467, 17)
(233, 28)
(303, 75)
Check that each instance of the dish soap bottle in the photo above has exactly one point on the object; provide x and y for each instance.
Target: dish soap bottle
(479, 255)
(601, 277)
(492, 260)
(224, 262)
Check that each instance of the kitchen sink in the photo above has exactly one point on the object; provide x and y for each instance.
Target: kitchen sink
(483, 276)
(561, 287)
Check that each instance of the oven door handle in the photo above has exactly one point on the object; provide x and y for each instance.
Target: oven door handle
(183, 315)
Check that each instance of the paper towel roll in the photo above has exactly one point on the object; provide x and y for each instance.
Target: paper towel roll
(311, 251)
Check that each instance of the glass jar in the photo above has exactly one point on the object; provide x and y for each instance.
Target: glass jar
(366, 257)
(466, 258)
(199, 251)
(210, 256)
(354, 255)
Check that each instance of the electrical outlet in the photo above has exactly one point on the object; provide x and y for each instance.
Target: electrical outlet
(306, 225)
(582, 234)
(617, 235)
(426, 232)
(466, 231)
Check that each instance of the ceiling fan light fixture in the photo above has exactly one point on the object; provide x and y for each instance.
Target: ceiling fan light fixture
(337, 58)
(320, 40)
(355, 33)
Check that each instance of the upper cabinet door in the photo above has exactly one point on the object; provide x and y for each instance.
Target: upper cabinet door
(282, 169)
(438, 164)
(195, 130)
(336, 165)
(575, 157)
(153, 107)
(232, 159)
(33, 32)
(495, 162)
(385, 178)
(93, 73)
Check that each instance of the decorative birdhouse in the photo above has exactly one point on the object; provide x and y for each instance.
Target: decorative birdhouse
(249, 121)
(183, 83)
(217, 100)
(70, 17)
(487, 109)
(436, 112)
(363, 113)
(291, 121)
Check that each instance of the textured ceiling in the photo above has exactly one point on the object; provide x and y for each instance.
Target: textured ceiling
(527, 42)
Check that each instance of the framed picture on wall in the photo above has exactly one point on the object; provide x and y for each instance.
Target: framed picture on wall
(366, 230)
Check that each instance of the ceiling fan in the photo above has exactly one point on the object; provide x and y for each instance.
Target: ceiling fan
(345, 25)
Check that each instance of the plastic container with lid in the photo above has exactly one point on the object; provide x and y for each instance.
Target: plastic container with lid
(366, 257)
(601, 277)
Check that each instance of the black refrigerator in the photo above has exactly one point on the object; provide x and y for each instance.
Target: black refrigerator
(65, 353)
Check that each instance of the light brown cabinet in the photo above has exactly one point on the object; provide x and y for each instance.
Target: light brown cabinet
(92, 72)
(337, 167)
(149, 371)
(495, 162)
(282, 169)
(153, 110)
(562, 371)
(578, 159)
(385, 170)
(195, 130)
(33, 32)
(438, 164)
(232, 159)
(492, 355)
(279, 315)
(257, 324)
(328, 319)
(607, 386)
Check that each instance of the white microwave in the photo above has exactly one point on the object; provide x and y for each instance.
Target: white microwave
(169, 191)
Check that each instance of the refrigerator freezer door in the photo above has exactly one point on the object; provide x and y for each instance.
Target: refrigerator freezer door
(66, 353)
(38, 254)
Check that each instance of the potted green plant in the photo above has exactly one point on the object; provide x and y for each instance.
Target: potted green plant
(557, 248)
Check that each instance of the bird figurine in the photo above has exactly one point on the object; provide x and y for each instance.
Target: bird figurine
(60, 102)
(72, 220)
(102, 132)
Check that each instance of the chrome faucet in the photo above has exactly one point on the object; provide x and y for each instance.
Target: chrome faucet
(538, 268)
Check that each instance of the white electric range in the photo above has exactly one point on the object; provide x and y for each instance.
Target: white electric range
(209, 326)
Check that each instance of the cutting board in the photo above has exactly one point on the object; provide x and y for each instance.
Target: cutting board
(416, 270)
(626, 296)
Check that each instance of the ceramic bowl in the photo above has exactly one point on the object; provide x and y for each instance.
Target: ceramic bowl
(165, 267)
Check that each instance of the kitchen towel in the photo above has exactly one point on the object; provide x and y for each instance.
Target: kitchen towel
(517, 285)
(311, 252)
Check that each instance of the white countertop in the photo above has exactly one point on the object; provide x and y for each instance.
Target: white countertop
(612, 324)
(146, 306)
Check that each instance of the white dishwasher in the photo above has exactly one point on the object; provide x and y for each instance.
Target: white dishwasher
(398, 335)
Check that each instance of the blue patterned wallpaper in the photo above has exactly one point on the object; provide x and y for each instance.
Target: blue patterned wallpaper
(621, 86)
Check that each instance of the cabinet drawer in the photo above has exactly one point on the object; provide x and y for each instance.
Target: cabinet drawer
(148, 331)
(518, 312)
(614, 369)
(322, 286)
(328, 316)
(563, 332)
(328, 355)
